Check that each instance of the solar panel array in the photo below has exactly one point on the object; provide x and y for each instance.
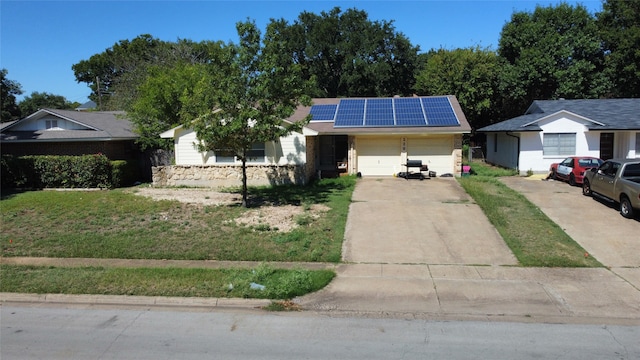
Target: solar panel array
(388, 112)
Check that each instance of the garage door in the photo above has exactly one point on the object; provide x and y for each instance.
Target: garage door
(378, 156)
(434, 152)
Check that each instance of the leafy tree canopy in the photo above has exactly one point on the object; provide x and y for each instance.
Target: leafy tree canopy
(37, 100)
(469, 74)
(115, 74)
(619, 24)
(554, 52)
(347, 54)
(8, 91)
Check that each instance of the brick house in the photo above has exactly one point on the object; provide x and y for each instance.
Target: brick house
(67, 132)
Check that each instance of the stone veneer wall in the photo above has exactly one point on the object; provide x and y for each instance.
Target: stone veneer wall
(457, 154)
(227, 175)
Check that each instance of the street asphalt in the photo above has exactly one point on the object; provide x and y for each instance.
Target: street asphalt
(424, 249)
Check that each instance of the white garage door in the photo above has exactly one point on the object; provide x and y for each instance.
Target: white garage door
(378, 156)
(434, 152)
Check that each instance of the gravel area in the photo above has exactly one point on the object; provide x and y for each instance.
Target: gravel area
(282, 218)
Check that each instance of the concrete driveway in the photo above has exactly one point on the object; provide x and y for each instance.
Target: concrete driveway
(397, 221)
(423, 248)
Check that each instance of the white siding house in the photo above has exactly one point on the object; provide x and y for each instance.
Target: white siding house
(289, 150)
(552, 130)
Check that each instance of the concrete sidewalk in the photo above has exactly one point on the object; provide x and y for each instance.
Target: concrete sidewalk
(452, 292)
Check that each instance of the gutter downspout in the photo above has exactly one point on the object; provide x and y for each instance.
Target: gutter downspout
(508, 133)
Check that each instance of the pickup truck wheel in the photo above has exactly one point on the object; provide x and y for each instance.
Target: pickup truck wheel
(625, 208)
(586, 188)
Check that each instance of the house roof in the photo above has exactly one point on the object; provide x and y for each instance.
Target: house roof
(89, 105)
(330, 128)
(601, 114)
(92, 126)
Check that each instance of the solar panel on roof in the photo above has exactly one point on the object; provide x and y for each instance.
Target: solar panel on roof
(379, 112)
(323, 112)
(409, 112)
(350, 113)
(389, 112)
(439, 112)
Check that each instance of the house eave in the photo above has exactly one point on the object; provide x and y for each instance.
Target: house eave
(563, 112)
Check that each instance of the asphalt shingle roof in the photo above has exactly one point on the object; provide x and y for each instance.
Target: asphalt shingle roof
(104, 125)
(614, 114)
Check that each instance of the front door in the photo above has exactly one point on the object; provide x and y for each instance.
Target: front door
(606, 146)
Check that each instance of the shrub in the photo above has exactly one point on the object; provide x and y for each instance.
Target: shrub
(50, 171)
(123, 173)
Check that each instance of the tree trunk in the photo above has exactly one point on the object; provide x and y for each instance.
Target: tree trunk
(244, 182)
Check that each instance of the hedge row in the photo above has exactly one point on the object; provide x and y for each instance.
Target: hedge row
(49, 171)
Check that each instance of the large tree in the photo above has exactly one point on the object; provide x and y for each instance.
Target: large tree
(37, 100)
(619, 24)
(119, 64)
(237, 99)
(349, 55)
(115, 74)
(552, 53)
(8, 91)
(168, 97)
(469, 74)
(251, 101)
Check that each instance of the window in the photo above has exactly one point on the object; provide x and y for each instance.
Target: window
(225, 156)
(256, 154)
(51, 124)
(558, 144)
(495, 142)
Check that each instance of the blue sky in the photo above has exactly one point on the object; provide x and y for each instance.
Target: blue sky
(41, 40)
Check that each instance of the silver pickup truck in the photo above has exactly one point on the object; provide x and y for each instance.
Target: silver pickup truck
(617, 180)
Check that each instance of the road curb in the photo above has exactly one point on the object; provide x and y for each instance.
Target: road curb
(151, 301)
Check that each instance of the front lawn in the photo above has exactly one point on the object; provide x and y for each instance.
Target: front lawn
(237, 283)
(119, 224)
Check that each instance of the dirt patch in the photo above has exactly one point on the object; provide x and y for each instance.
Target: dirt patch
(282, 218)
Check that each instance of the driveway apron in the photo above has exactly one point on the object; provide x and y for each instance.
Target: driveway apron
(398, 221)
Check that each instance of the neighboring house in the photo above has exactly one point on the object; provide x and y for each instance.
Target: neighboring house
(551, 130)
(366, 136)
(88, 106)
(68, 132)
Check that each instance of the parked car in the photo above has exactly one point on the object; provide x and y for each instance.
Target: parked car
(617, 180)
(572, 169)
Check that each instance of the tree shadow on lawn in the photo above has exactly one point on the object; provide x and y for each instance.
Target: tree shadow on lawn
(316, 192)
(6, 194)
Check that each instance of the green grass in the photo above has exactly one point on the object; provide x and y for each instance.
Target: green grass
(232, 283)
(118, 224)
(483, 169)
(534, 239)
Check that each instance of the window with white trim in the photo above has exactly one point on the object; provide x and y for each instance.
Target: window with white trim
(558, 144)
(51, 124)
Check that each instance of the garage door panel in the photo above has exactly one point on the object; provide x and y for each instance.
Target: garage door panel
(378, 157)
(434, 152)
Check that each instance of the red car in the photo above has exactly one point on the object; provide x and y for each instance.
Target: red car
(572, 169)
